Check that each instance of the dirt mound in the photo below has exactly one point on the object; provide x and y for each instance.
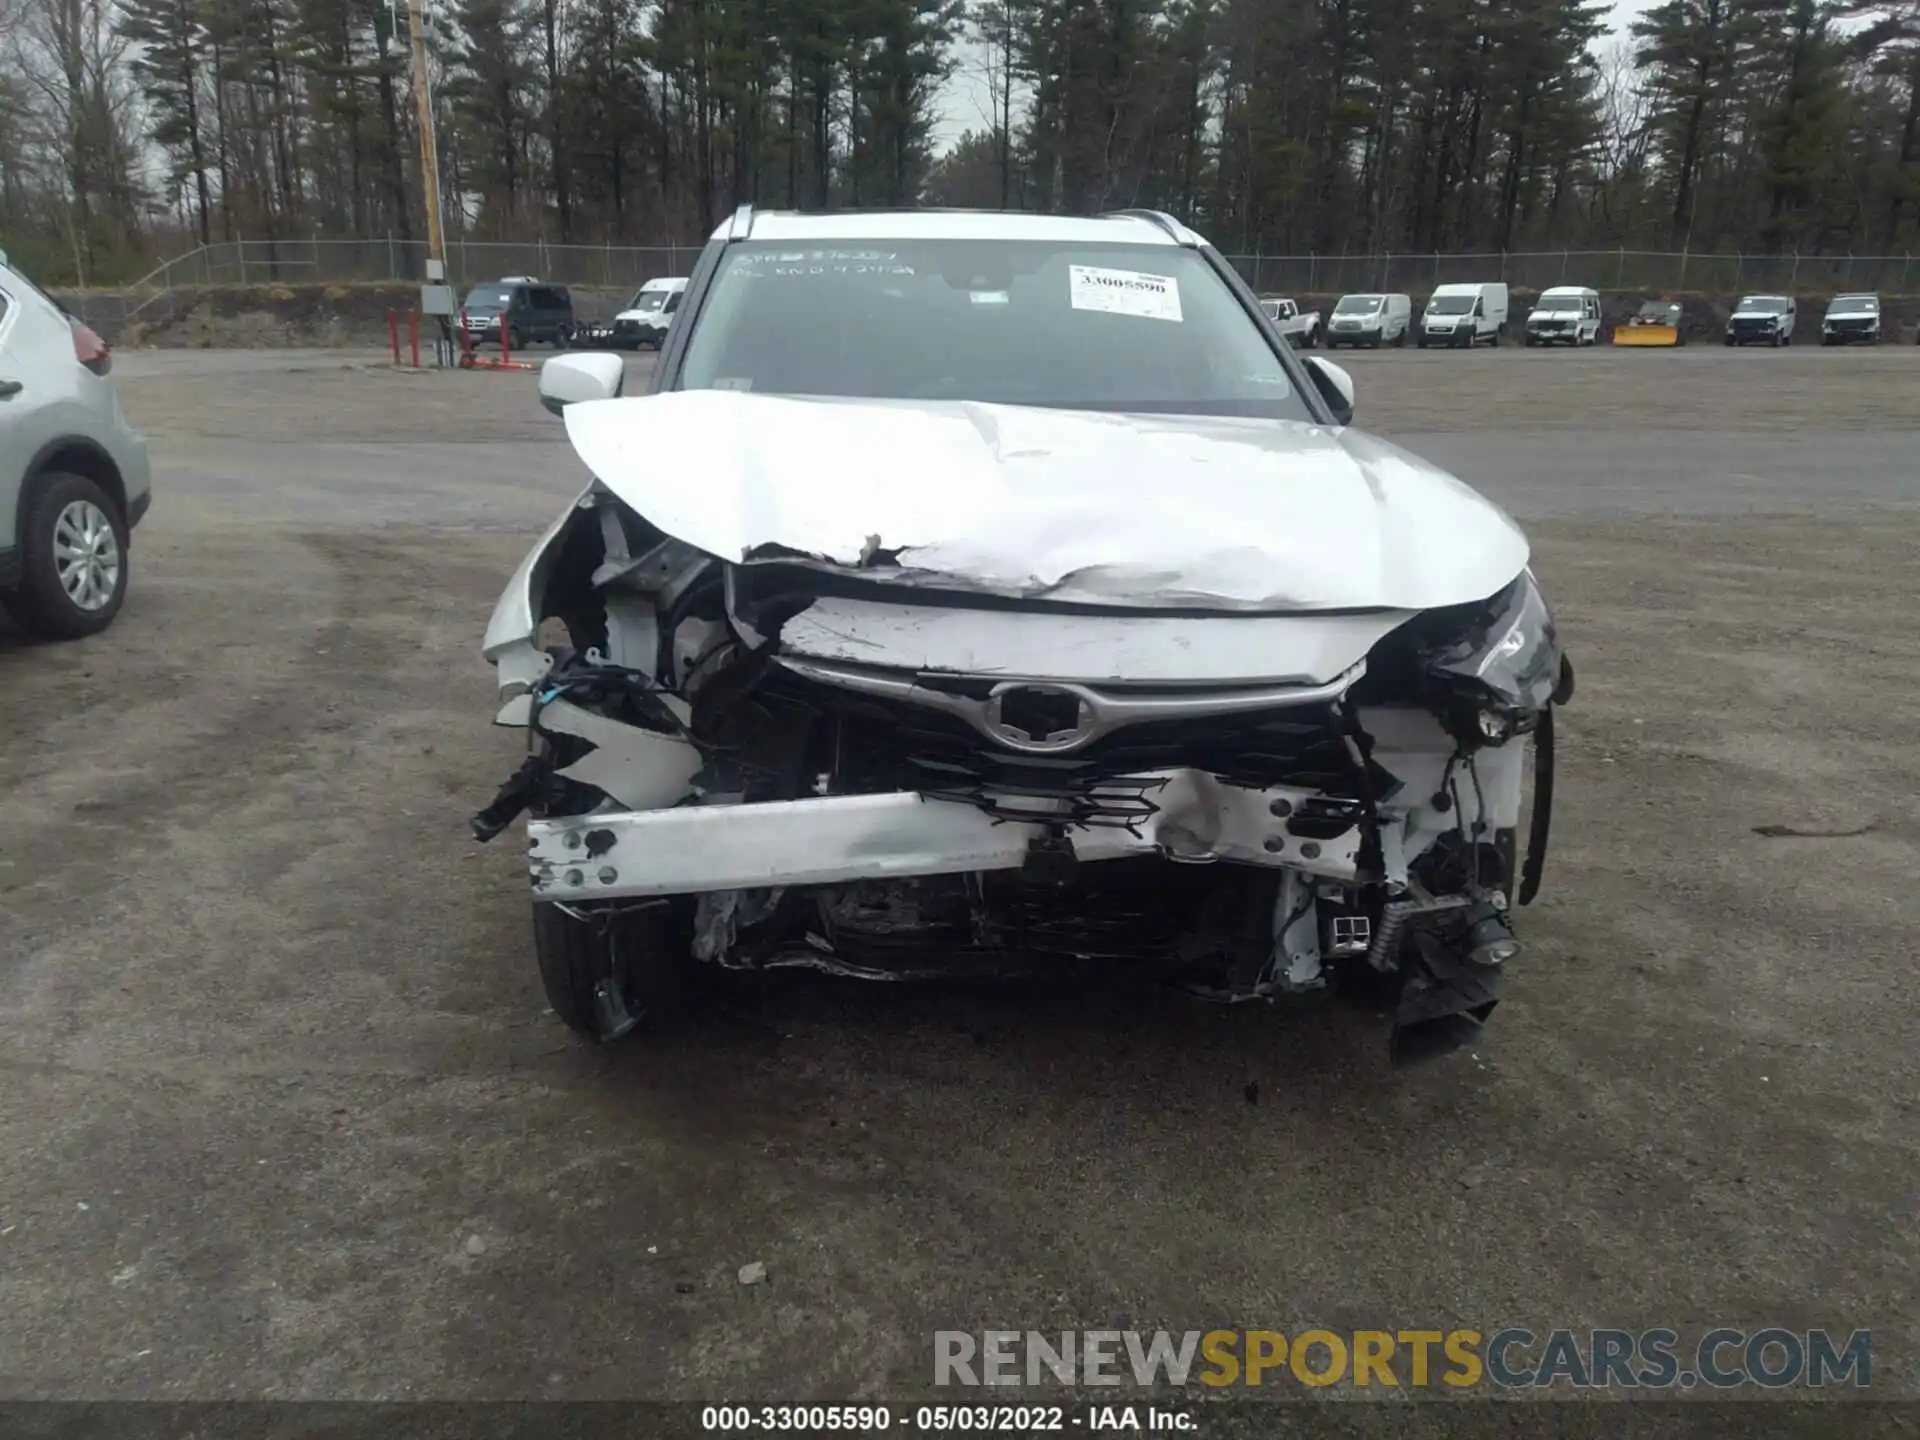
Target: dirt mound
(269, 316)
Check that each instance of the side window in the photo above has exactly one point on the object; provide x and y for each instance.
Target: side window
(673, 302)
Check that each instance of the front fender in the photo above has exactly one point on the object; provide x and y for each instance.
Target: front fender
(511, 645)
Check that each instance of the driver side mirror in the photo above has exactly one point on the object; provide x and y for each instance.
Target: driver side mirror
(1335, 386)
(568, 379)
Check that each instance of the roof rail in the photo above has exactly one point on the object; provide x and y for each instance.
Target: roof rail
(742, 226)
(1179, 233)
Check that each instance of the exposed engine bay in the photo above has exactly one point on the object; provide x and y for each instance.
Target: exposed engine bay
(793, 761)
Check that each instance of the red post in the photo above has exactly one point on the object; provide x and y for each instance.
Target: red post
(393, 336)
(413, 334)
(506, 338)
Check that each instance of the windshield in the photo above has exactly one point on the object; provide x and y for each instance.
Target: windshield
(1358, 305)
(648, 300)
(1450, 305)
(1855, 302)
(1094, 326)
(1657, 310)
(1551, 302)
(1762, 305)
(489, 297)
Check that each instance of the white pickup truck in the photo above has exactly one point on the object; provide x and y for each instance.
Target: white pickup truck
(1301, 327)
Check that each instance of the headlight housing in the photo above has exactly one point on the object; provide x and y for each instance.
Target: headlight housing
(1487, 669)
(1508, 654)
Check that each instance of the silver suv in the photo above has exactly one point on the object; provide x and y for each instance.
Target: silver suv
(74, 477)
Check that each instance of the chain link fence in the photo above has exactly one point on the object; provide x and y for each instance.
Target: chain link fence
(624, 267)
(318, 261)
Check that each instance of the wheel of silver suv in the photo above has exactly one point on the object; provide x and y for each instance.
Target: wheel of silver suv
(74, 546)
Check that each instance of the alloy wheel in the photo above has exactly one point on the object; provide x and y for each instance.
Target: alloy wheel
(86, 555)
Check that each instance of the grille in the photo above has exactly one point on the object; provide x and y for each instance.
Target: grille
(875, 744)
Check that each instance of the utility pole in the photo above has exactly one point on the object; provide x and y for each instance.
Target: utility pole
(429, 139)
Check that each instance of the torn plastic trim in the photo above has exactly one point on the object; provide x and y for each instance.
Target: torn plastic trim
(1541, 823)
(640, 768)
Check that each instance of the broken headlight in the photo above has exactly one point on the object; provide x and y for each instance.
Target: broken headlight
(1504, 666)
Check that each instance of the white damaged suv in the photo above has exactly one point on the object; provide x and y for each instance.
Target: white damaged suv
(1087, 633)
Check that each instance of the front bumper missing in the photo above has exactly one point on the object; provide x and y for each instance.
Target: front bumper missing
(833, 840)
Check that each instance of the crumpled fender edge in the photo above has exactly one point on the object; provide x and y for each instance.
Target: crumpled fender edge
(511, 644)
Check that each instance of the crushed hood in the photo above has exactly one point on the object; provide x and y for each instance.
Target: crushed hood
(1073, 506)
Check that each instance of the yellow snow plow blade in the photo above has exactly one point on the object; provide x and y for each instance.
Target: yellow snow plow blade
(1655, 325)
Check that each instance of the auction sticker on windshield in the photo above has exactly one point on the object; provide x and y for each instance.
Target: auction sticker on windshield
(1124, 292)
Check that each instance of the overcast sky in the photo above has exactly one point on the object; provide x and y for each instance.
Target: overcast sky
(966, 105)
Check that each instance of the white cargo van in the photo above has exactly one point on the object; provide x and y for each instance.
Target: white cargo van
(1464, 315)
(649, 314)
(1565, 315)
(1370, 320)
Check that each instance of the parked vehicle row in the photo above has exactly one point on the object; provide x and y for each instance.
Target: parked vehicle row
(519, 310)
(1465, 315)
(523, 311)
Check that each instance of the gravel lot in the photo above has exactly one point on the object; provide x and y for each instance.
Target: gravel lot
(284, 1114)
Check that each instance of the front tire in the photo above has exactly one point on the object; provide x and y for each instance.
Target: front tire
(611, 974)
(73, 544)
